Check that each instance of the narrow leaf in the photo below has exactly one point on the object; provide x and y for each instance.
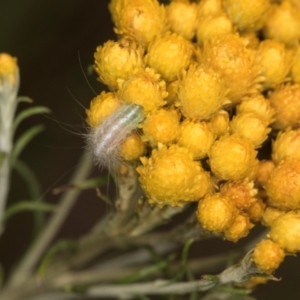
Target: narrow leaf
(2, 157)
(24, 99)
(29, 112)
(23, 140)
(28, 206)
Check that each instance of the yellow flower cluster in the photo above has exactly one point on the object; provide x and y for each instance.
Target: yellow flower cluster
(215, 79)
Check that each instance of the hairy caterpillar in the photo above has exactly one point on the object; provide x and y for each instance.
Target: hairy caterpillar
(105, 139)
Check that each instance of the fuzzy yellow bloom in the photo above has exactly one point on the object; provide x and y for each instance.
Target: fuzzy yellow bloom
(246, 15)
(117, 60)
(283, 23)
(197, 137)
(285, 100)
(212, 26)
(283, 185)
(235, 63)
(256, 210)
(219, 123)
(162, 126)
(216, 213)
(267, 256)
(132, 147)
(285, 231)
(101, 107)
(232, 157)
(270, 215)
(171, 177)
(239, 228)
(209, 8)
(182, 17)
(240, 192)
(144, 88)
(295, 70)
(169, 55)
(264, 169)
(8, 69)
(140, 20)
(250, 127)
(286, 145)
(275, 61)
(258, 105)
(201, 92)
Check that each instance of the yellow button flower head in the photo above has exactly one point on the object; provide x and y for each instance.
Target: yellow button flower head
(209, 8)
(250, 127)
(232, 157)
(286, 145)
(258, 105)
(256, 210)
(246, 15)
(182, 17)
(143, 88)
(264, 169)
(162, 126)
(275, 61)
(8, 69)
(216, 213)
(212, 26)
(132, 147)
(270, 215)
(295, 70)
(285, 231)
(169, 55)
(171, 177)
(201, 92)
(286, 101)
(235, 62)
(101, 107)
(117, 60)
(239, 228)
(283, 186)
(219, 123)
(240, 192)
(267, 256)
(283, 23)
(197, 137)
(141, 20)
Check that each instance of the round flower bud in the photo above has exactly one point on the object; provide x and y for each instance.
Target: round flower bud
(216, 213)
(117, 60)
(258, 105)
(197, 137)
(264, 169)
(283, 186)
(182, 17)
(101, 107)
(169, 55)
(171, 177)
(267, 256)
(162, 126)
(209, 8)
(219, 123)
(286, 101)
(145, 89)
(256, 210)
(232, 157)
(270, 215)
(285, 231)
(240, 192)
(295, 70)
(246, 15)
(275, 63)
(286, 145)
(239, 228)
(201, 92)
(235, 63)
(132, 147)
(141, 20)
(251, 127)
(283, 23)
(212, 26)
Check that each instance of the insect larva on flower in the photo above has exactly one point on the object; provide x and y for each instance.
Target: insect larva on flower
(105, 139)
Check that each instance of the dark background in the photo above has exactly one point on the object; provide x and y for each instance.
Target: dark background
(54, 42)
